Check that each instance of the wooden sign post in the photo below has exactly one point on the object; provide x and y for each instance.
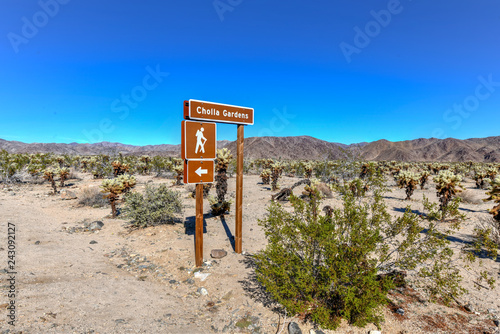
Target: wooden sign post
(197, 164)
(198, 149)
(198, 237)
(239, 191)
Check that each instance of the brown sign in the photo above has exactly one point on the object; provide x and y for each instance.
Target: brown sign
(199, 171)
(199, 140)
(217, 112)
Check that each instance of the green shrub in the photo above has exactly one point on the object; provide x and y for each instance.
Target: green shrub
(320, 267)
(158, 205)
(342, 265)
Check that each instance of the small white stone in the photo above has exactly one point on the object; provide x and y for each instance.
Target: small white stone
(201, 276)
(375, 332)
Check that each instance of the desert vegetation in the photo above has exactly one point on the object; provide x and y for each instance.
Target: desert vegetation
(323, 263)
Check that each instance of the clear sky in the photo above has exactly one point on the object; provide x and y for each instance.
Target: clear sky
(339, 70)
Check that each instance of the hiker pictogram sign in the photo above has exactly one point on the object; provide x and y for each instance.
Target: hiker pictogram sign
(199, 140)
(199, 171)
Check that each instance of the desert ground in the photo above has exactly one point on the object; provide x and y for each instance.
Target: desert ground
(119, 280)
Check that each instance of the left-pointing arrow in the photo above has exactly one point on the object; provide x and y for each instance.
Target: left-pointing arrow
(200, 171)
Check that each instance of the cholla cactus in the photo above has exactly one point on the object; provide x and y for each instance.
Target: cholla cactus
(494, 194)
(437, 167)
(367, 169)
(34, 168)
(395, 170)
(63, 175)
(85, 164)
(224, 157)
(60, 160)
(447, 186)
(479, 177)
(423, 178)
(144, 165)
(265, 175)
(10, 168)
(112, 188)
(49, 174)
(409, 181)
(357, 188)
(308, 169)
(491, 172)
(276, 171)
(180, 174)
(119, 168)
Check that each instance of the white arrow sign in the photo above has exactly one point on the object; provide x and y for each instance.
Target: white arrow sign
(200, 171)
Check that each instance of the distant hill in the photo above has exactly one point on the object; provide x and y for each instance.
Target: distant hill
(301, 147)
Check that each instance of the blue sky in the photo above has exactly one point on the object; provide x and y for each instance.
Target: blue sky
(342, 71)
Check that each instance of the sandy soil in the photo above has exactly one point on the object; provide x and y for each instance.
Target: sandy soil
(143, 281)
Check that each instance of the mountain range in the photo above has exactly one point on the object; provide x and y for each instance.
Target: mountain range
(300, 147)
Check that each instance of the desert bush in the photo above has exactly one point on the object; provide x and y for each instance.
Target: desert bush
(113, 188)
(468, 196)
(92, 196)
(324, 190)
(341, 265)
(158, 205)
(486, 238)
